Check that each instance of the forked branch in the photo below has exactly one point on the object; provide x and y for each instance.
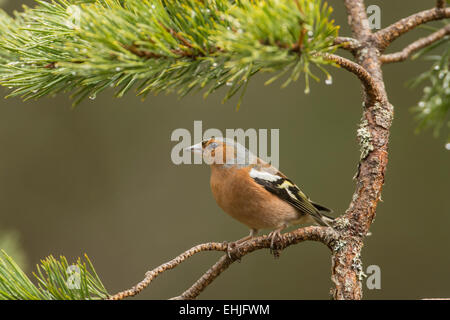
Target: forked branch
(324, 235)
(415, 46)
(387, 35)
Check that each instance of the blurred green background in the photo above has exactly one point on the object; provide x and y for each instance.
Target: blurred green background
(99, 179)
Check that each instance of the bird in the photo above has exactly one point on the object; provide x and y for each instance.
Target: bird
(254, 192)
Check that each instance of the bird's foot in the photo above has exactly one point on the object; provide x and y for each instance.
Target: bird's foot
(233, 250)
(274, 248)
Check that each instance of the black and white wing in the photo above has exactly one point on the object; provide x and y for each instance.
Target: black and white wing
(278, 184)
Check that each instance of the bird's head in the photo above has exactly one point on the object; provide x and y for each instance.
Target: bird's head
(223, 152)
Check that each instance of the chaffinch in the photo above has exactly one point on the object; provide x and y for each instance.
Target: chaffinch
(254, 192)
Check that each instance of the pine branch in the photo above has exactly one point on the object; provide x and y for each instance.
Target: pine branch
(156, 45)
(57, 280)
(433, 109)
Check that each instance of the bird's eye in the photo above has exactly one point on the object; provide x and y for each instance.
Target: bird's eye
(213, 145)
(207, 142)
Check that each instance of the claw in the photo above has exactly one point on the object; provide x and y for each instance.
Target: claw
(274, 235)
(227, 244)
(231, 248)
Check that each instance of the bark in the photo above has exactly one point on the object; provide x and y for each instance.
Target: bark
(373, 136)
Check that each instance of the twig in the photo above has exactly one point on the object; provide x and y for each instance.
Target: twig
(313, 233)
(371, 85)
(387, 35)
(416, 45)
(321, 234)
(151, 275)
(303, 30)
(347, 43)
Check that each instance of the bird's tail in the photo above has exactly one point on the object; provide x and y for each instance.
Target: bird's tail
(328, 221)
(323, 219)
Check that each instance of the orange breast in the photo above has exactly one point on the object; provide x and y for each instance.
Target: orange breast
(248, 202)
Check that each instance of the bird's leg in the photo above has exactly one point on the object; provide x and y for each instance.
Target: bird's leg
(275, 236)
(235, 245)
(253, 232)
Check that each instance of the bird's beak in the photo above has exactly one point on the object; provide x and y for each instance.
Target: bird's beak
(196, 148)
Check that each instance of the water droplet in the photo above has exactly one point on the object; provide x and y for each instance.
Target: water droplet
(118, 69)
(447, 146)
(215, 64)
(436, 67)
(229, 83)
(93, 96)
(329, 80)
(438, 100)
(421, 104)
